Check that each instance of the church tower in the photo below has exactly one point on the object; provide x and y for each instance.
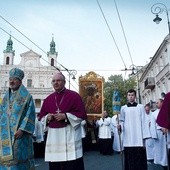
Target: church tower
(9, 53)
(52, 54)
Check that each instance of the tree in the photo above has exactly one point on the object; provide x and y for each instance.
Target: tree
(122, 85)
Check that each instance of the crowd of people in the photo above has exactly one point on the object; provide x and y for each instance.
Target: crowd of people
(136, 132)
(61, 115)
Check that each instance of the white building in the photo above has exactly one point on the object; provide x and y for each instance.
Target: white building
(155, 78)
(37, 77)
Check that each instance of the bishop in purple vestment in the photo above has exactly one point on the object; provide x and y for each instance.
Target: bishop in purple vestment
(62, 112)
(68, 102)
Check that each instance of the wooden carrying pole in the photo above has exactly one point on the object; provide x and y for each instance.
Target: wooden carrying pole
(116, 110)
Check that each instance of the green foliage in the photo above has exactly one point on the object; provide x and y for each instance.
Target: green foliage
(122, 85)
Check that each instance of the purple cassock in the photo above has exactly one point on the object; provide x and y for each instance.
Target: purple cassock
(66, 101)
(163, 118)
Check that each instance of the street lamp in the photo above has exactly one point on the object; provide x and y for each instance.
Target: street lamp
(71, 74)
(156, 9)
(135, 72)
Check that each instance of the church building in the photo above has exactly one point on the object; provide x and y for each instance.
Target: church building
(37, 76)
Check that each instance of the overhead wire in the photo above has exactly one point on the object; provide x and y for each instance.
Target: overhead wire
(123, 32)
(111, 33)
(106, 24)
(46, 52)
(36, 46)
(25, 36)
(54, 59)
(14, 38)
(22, 33)
(97, 70)
(25, 45)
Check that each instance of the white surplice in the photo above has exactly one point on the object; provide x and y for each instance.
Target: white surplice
(83, 130)
(38, 131)
(104, 128)
(64, 144)
(150, 141)
(134, 125)
(160, 149)
(117, 140)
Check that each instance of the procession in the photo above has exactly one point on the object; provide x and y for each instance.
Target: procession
(62, 127)
(87, 103)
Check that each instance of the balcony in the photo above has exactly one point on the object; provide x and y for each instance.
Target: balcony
(150, 83)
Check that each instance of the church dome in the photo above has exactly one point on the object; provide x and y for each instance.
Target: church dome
(52, 47)
(52, 44)
(9, 42)
(9, 47)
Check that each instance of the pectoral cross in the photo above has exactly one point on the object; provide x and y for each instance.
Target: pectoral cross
(12, 120)
(58, 110)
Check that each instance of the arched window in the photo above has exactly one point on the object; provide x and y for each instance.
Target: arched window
(29, 83)
(52, 62)
(7, 60)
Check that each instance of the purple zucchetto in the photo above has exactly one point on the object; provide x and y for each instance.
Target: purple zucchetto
(16, 73)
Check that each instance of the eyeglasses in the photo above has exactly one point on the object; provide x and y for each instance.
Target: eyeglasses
(53, 81)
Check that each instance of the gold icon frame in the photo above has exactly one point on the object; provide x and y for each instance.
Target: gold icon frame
(91, 91)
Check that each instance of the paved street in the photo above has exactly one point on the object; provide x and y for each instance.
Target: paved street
(94, 161)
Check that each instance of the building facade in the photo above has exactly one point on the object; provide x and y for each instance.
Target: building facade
(37, 76)
(155, 77)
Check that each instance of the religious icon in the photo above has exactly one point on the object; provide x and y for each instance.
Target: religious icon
(91, 91)
(116, 105)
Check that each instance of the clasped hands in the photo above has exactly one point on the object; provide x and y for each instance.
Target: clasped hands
(57, 116)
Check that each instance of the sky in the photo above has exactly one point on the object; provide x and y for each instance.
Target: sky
(82, 38)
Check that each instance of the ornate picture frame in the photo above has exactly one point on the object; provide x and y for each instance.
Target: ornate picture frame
(91, 91)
